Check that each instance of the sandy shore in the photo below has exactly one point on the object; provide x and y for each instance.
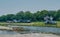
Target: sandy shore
(30, 35)
(7, 28)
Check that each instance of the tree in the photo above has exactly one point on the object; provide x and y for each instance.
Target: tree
(58, 15)
(3, 18)
(52, 13)
(36, 16)
(20, 15)
(40, 14)
(28, 15)
(10, 16)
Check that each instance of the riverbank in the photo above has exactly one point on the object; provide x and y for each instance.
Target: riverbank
(41, 24)
(5, 28)
(30, 35)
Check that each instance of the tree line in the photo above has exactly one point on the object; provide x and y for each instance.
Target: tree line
(27, 15)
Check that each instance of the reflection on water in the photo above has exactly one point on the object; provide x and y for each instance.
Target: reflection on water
(33, 29)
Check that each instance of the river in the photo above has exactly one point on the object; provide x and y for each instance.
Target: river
(33, 29)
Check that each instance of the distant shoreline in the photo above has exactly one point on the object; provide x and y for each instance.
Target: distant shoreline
(41, 24)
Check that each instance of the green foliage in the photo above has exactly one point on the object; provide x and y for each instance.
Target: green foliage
(27, 15)
(38, 16)
(19, 15)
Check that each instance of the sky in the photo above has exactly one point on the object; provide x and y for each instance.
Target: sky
(14, 6)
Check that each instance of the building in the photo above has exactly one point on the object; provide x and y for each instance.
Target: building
(49, 20)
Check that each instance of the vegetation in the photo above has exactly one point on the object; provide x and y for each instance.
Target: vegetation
(37, 16)
(41, 24)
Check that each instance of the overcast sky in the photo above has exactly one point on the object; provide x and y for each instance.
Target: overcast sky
(14, 6)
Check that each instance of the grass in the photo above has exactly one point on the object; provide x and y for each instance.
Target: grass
(58, 24)
(42, 24)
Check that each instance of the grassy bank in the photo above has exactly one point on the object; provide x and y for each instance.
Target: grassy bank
(31, 24)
